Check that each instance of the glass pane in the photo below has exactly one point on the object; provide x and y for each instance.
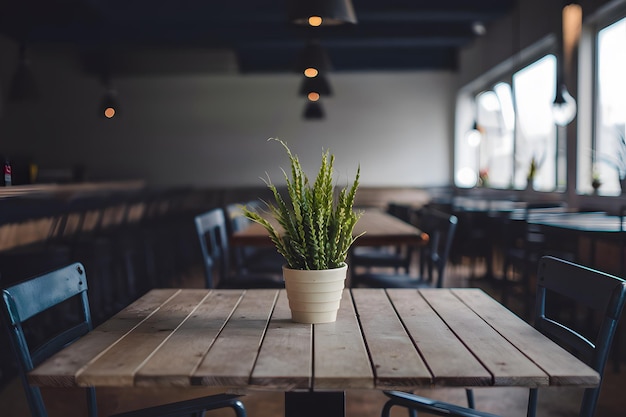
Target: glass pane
(495, 115)
(535, 137)
(610, 150)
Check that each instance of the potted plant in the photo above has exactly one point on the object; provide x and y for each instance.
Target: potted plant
(312, 228)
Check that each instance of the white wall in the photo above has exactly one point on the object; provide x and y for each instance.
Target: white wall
(211, 130)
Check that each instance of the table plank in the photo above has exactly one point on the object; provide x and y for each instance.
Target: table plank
(178, 357)
(485, 343)
(340, 356)
(243, 335)
(450, 362)
(395, 359)
(285, 359)
(118, 365)
(554, 360)
(65, 365)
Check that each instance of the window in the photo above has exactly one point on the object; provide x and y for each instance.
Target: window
(515, 122)
(610, 143)
(535, 133)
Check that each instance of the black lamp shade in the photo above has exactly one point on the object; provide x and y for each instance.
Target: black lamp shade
(313, 110)
(332, 12)
(318, 84)
(313, 56)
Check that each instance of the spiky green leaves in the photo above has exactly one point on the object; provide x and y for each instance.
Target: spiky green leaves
(316, 230)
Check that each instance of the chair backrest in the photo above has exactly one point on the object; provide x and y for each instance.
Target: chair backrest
(236, 221)
(402, 211)
(34, 297)
(213, 236)
(592, 291)
(441, 228)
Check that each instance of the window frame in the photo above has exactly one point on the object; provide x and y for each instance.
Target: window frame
(588, 133)
(465, 106)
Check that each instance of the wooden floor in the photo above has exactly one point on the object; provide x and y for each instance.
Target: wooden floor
(553, 402)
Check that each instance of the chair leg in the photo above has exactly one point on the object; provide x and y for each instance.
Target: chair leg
(92, 403)
(470, 398)
(387, 409)
(240, 410)
(532, 402)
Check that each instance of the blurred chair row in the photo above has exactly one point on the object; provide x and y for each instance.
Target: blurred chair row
(129, 241)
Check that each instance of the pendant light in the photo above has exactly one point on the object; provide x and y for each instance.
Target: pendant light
(313, 59)
(564, 106)
(313, 110)
(109, 105)
(321, 12)
(318, 84)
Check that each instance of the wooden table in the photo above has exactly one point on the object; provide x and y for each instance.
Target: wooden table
(590, 222)
(244, 340)
(380, 229)
(593, 226)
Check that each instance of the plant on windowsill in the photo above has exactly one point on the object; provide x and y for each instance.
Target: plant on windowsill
(483, 177)
(314, 235)
(595, 181)
(532, 172)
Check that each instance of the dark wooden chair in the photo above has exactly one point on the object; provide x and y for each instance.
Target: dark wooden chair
(558, 279)
(63, 293)
(213, 236)
(440, 228)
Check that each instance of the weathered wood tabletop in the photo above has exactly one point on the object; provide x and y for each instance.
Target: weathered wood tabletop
(378, 228)
(382, 339)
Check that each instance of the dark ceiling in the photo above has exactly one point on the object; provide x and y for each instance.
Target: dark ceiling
(389, 35)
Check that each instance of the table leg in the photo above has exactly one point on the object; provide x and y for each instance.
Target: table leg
(315, 404)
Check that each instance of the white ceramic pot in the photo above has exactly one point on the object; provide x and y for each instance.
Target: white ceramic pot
(314, 295)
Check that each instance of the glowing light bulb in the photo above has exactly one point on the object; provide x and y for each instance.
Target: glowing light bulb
(315, 21)
(313, 96)
(311, 72)
(109, 112)
(564, 107)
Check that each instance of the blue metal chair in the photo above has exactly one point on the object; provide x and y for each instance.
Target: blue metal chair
(212, 232)
(57, 293)
(440, 228)
(557, 280)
